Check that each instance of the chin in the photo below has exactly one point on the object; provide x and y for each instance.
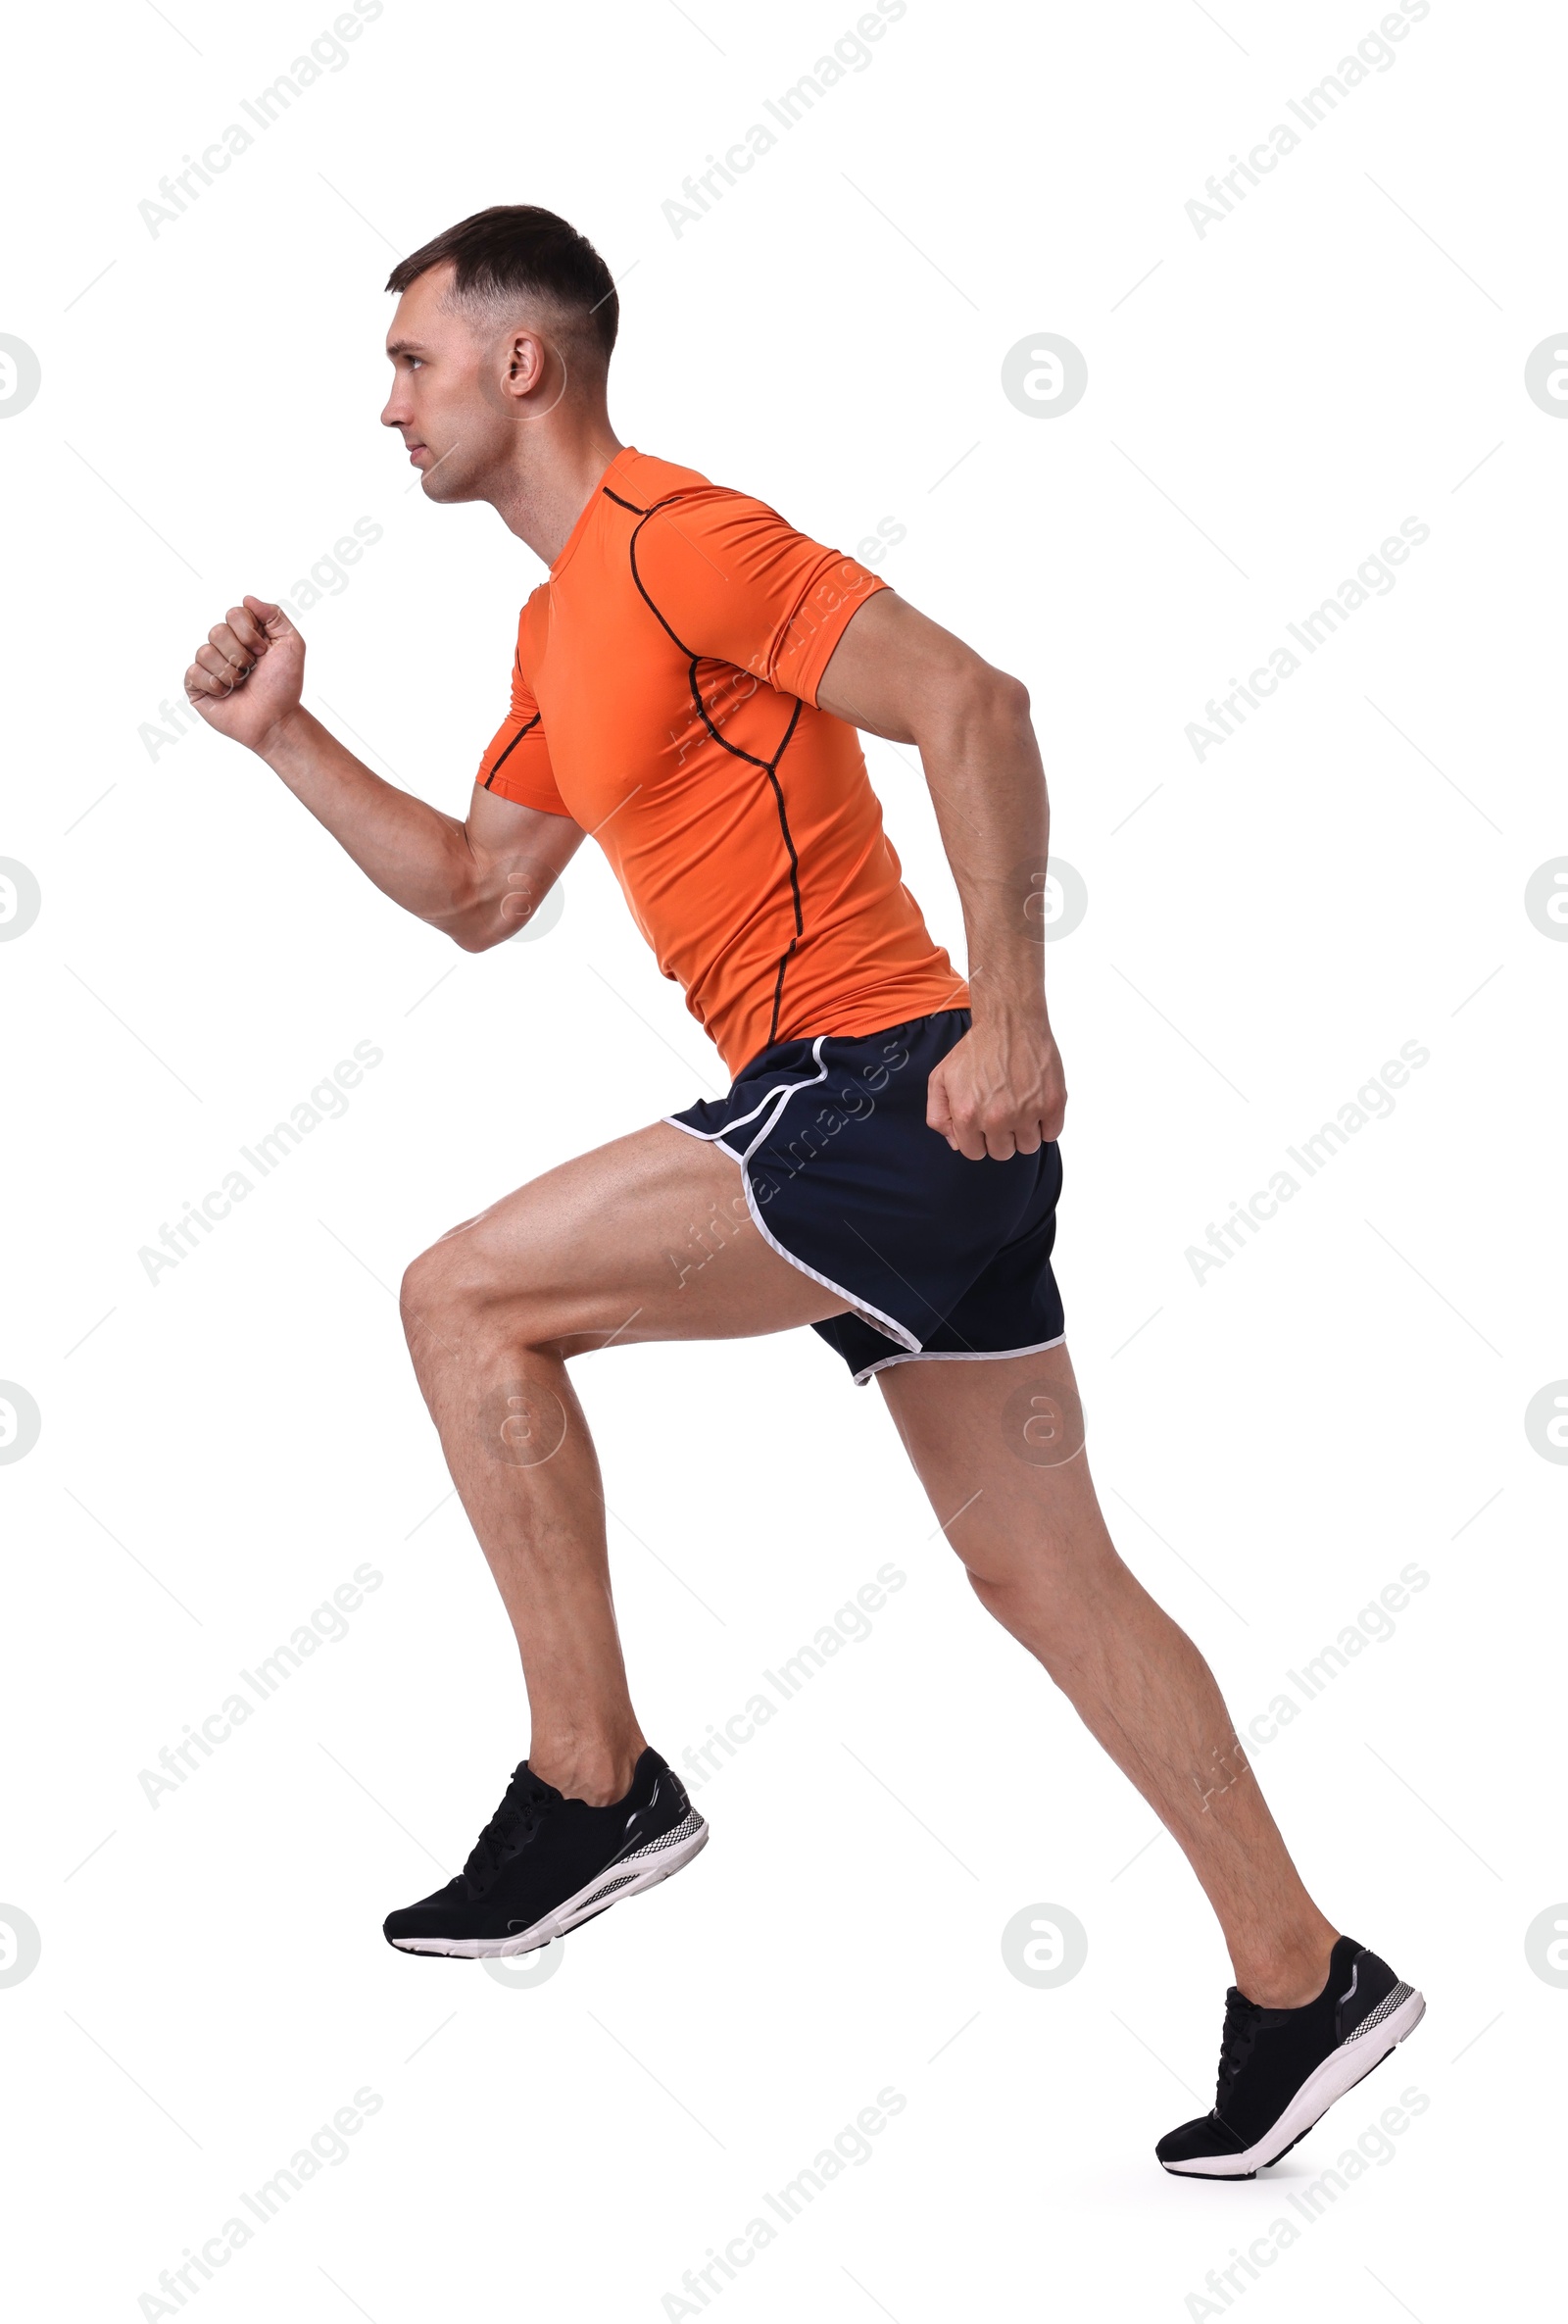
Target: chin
(439, 485)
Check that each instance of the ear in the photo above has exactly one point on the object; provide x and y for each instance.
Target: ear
(526, 356)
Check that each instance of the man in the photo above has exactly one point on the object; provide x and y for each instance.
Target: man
(685, 690)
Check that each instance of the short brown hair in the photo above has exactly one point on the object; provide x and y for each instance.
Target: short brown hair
(516, 248)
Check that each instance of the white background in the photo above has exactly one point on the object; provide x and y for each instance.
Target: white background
(221, 1449)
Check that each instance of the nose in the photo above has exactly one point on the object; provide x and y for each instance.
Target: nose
(396, 412)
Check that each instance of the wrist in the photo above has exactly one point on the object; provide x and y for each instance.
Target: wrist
(283, 736)
(1008, 996)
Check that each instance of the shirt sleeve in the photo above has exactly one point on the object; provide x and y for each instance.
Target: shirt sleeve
(732, 582)
(517, 764)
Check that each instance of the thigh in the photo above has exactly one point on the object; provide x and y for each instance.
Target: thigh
(647, 1238)
(998, 1446)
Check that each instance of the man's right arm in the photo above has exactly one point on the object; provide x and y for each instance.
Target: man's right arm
(477, 881)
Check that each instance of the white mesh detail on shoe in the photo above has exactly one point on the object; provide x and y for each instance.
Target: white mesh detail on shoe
(609, 1888)
(684, 1830)
(1385, 2009)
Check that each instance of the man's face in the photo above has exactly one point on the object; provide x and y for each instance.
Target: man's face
(450, 399)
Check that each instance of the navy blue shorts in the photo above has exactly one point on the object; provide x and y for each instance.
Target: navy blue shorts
(933, 1256)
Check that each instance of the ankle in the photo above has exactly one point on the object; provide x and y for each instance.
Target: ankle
(1286, 1976)
(598, 1773)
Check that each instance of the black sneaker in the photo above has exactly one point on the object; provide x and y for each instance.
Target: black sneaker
(1281, 2069)
(545, 1863)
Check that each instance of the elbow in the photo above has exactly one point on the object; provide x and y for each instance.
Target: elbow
(495, 908)
(1005, 698)
(467, 921)
(977, 699)
(1017, 697)
(479, 926)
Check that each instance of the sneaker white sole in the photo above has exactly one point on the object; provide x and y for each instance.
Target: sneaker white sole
(1340, 2072)
(643, 1868)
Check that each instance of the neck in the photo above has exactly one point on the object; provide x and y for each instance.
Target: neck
(548, 488)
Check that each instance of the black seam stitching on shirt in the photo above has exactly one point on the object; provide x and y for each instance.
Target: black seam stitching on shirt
(632, 505)
(795, 875)
(766, 764)
(783, 818)
(769, 767)
(510, 747)
(734, 748)
(778, 993)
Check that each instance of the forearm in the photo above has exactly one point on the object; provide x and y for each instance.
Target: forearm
(414, 853)
(1000, 1091)
(479, 881)
(982, 765)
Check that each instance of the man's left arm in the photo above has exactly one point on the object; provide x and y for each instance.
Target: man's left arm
(1000, 1090)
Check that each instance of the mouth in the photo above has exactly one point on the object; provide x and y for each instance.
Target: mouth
(416, 452)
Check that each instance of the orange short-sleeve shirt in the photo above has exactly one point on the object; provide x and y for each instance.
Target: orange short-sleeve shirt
(663, 695)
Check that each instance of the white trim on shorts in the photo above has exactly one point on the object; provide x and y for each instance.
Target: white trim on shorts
(875, 1316)
(958, 1355)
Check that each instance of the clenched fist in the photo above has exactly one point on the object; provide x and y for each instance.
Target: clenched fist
(1000, 1090)
(247, 677)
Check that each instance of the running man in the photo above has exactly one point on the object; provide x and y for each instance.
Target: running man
(686, 689)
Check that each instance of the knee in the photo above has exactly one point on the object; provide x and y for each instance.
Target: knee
(445, 1288)
(422, 1290)
(1045, 1607)
(473, 1291)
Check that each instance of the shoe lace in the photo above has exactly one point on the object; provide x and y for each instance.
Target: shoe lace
(514, 1824)
(1241, 2021)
